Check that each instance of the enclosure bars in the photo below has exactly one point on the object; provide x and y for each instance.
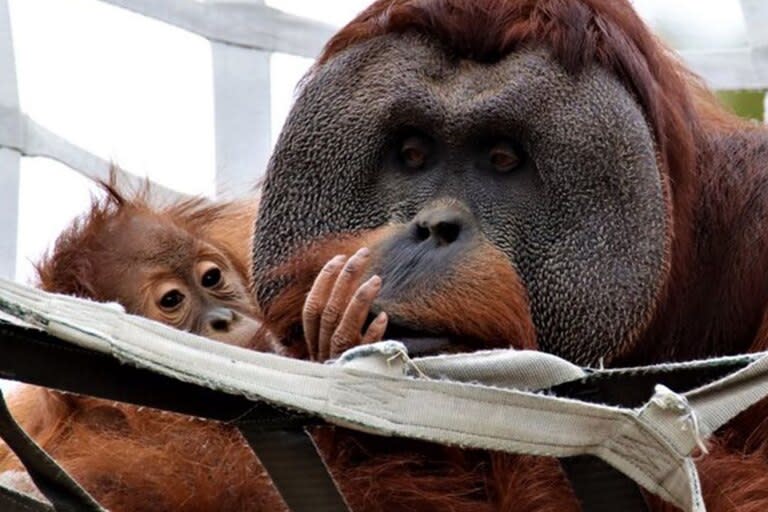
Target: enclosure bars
(742, 68)
(242, 36)
(9, 159)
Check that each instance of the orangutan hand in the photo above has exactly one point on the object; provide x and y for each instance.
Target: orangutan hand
(337, 307)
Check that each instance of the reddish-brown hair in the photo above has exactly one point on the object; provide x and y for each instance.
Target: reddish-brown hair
(67, 267)
(136, 460)
(127, 457)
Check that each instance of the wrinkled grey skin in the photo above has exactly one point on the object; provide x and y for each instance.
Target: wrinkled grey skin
(584, 222)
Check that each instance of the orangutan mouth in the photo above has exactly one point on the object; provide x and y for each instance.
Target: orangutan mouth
(420, 343)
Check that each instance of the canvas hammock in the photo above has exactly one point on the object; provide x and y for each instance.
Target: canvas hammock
(379, 389)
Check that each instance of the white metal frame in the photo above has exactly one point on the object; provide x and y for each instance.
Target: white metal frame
(9, 158)
(742, 68)
(243, 33)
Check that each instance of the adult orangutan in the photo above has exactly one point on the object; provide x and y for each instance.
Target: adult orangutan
(522, 171)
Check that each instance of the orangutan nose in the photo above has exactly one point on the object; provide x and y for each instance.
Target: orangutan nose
(220, 319)
(442, 225)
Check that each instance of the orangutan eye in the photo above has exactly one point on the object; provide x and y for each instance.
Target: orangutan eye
(171, 300)
(504, 157)
(414, 152)
(211, 278)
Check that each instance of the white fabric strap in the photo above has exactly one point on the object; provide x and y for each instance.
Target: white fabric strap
(484, 400)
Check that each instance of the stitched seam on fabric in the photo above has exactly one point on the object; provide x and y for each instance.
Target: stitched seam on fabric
(174, 359)
(659, 438)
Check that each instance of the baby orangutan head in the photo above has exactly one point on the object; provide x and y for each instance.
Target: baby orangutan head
(185, 264)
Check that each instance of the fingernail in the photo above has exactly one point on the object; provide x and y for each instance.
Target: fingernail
(380, 318)
(373, 281)
(363, 252)
(336, 261)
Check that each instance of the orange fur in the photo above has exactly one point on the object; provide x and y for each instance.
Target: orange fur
(69, 267)
(485, 300)
(378, 474)
(138, 460)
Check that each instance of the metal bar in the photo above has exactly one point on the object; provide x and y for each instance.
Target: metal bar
(9, 160)
(9, 212)
(242, 114)
(242, 106)
(756, 18)
(730, 69)
(21, 135)
(765, 108)
(242, 24)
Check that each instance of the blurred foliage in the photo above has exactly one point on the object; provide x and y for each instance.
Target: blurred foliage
(748, 104)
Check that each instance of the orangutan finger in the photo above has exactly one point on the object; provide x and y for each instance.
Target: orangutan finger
(317, 300)
(376, 330)
(350, 328)
(345, 286)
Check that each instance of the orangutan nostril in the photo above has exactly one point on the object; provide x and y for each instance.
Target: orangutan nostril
(446, 232)
(422, 233)
(220, 325)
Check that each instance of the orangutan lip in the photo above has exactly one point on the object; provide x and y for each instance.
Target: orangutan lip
(418, 342)
(425, 345)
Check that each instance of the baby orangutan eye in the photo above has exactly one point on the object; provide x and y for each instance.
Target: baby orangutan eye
(211, 277)
(504, 157)
(171, 300)
(209, 273)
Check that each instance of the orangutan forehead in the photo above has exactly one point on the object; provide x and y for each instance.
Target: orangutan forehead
(168, 250)
(410, 78)
(151, 240)
(419, 56)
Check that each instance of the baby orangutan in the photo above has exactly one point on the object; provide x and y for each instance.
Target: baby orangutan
(185, 265)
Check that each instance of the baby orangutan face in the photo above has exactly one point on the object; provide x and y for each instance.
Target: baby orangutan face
(174, 296)
(157, 268)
